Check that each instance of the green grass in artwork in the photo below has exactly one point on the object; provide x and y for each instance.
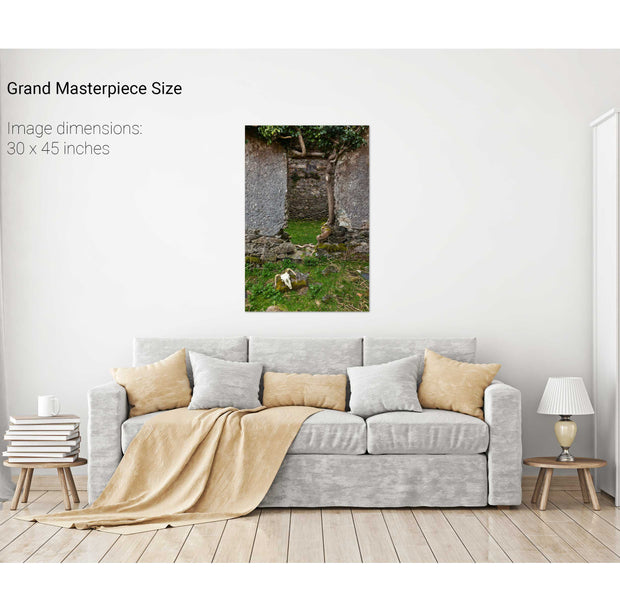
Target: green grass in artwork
(334, 286)
(303, 231)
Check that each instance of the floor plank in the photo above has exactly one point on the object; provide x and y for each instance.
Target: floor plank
(508, 536)
(407, 537)
(477, 540)
(373, 537)
(58, 546)
(42, 482)
(5, 507)
(271, 541)
(201, 543)
(608, 511)
(35, 536)
(552, 546)
(128, 548)
(62, 542)
(13, 527)
(442, 539)
(27, 542)
(584, 543)
(166, 545)
(609, 500)
(594, 524)
(560, 483)
(237, 539)
(568, 531)
(305, 541)
(339, 538)
(92, 548)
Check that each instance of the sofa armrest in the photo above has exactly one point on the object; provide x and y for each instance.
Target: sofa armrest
(502, 413)
(107, 410)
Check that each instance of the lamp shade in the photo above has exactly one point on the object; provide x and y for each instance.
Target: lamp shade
(566, 396)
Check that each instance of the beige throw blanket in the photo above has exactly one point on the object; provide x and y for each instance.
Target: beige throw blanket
(191, 466)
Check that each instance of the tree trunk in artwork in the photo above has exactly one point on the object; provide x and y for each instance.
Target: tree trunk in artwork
(329, 178)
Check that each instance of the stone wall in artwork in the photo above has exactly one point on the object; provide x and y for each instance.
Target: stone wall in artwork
(352, 196)
(351, 190)
(306, 197)
(279, 188)
(265, 186)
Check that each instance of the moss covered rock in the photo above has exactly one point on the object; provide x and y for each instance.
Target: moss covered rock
(290, 280)
(331, 247)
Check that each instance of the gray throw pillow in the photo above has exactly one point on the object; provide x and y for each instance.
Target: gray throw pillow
(219, 383)
(385, 388)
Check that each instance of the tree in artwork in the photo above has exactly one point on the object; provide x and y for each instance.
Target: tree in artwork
(328, 142)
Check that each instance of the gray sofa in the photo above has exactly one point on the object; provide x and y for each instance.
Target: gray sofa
(433, 458)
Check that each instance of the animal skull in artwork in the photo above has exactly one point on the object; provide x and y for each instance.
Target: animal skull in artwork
(290, 280)
(286, 278)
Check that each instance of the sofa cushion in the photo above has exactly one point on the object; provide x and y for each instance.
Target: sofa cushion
(388, 387)
(306, 355)
(327, 391)
(455, 385)
(438, 432)
(162, 385)
(383, 349)
(131, 427)
(219, 383)
(151, 349)
(329, 432)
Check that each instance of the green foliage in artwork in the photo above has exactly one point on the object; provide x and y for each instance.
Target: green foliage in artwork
(325, 139)
(334, 286)
(332, 247)
(303, 231)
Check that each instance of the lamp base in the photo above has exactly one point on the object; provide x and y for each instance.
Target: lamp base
(565, 432)
(565, 455)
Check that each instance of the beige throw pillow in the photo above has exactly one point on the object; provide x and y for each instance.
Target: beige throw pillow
(317, 391)
(453, 385)
(159, 386)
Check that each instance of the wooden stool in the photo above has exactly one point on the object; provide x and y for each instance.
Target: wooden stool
(548, 464)
(64, 475)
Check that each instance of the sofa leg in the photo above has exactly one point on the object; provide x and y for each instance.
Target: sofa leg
(502, 507)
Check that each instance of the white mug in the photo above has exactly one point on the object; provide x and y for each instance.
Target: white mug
(48, 405)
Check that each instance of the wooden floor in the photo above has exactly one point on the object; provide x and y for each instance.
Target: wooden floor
(568, 531)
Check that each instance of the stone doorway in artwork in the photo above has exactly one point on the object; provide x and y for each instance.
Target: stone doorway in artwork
(306, 199)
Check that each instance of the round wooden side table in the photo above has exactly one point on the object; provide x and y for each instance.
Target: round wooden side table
(67, 483)
(583, 465)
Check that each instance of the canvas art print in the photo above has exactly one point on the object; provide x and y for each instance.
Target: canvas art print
(306, 219)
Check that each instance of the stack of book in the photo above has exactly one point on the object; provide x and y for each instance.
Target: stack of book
(43, 439)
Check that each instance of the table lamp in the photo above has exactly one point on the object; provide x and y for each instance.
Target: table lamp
(565, 397)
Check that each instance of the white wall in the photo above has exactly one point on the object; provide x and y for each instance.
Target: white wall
(480, 208)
